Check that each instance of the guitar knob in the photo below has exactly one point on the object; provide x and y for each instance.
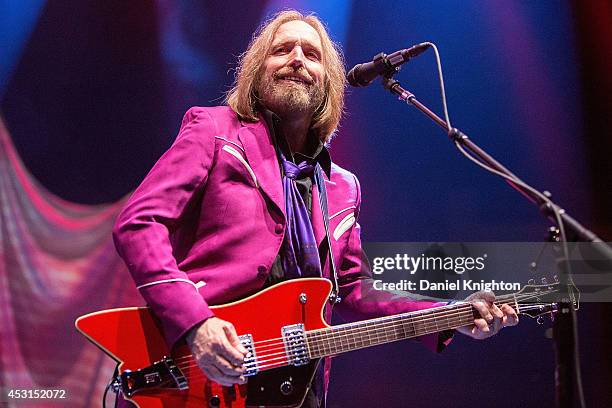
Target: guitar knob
(286, 388)
(214, 401)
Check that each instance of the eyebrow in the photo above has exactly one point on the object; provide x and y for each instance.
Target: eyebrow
(305, 43)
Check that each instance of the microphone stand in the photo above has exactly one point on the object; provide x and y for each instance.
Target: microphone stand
(564, 329)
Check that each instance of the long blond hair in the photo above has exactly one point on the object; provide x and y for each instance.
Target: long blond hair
(242, 97)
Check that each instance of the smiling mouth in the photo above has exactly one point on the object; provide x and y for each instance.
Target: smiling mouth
(295, 79)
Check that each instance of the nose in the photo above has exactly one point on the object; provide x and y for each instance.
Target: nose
(296, 58)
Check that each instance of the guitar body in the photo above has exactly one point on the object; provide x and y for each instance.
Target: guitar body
(132, 337)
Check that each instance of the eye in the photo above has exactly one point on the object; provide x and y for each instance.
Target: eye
(313, 55)
(280, 50)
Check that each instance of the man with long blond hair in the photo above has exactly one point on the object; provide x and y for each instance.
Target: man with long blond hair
(235, 205)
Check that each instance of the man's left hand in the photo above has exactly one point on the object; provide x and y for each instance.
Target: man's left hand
(492, 319)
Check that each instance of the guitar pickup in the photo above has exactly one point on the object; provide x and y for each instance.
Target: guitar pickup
(162, 374)
(250, 360)
(294, 339)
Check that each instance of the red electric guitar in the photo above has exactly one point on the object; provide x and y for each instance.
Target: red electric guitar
(283, 329)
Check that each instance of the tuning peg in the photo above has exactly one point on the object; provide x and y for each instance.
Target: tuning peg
(544, 281)
(533, 266)
(556, 278)
(553, 234)
(531, 281)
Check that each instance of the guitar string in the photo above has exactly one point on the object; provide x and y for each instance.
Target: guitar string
(332, 335)
(338, 348)
(376, 326)
(264, 358)
(325, 339)
(333, 332)
(324, 335)
(279, 340)
(196, 376)
(199, 374)
(335, 344)
(340, 337)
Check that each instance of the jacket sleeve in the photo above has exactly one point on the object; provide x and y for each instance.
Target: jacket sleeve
(143, 229)
(361, 301)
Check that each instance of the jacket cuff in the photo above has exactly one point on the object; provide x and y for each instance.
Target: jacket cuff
(179, 307)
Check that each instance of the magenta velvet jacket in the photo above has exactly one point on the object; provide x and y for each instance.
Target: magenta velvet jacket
(207, 222)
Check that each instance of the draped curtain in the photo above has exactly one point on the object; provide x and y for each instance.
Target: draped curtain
(57, 261)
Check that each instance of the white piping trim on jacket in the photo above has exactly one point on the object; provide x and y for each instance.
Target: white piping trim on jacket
(229, 141)
(341, 211)
(237, 155)
(167, 281)
(344, 225)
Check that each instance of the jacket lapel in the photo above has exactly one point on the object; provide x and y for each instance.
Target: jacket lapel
(259, 149)
(261, 156)
(318, 225)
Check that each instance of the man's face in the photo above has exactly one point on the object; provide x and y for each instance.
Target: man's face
(291, 81)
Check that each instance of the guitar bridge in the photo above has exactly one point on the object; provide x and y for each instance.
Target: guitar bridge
(295, 344)
(162, 374)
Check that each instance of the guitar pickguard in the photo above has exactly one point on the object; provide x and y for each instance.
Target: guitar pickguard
(281, 387)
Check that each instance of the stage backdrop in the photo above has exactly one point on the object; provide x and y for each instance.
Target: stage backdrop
(93, 92)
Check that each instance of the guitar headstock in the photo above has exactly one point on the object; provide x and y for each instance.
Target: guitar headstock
(537, 300)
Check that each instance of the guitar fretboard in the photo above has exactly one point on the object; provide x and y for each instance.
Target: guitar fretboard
(353, 336)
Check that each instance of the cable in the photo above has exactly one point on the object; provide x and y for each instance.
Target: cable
(442, 87)
(110, 385)
(105, 394)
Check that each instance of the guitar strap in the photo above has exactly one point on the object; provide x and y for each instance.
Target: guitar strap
(320, 182)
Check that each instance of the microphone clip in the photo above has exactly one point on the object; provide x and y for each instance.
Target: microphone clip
(390, 64)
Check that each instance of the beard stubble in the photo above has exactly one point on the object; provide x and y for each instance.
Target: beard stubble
(285, 97)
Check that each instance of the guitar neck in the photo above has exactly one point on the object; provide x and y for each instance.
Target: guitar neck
(353, 336)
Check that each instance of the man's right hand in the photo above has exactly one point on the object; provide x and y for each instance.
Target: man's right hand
(218, 351)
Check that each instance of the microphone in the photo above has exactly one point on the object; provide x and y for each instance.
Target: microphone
(382, 64)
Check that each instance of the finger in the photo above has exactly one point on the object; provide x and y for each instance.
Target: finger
(482, 325)
(214, 374)
(498, 315)
(511, 316)
(226, 367)
(224, 356)
(497, 325)
(234, 340)
(482, 296)
(227, 379)
(477, 333)
(483, 309)
(496, 311)
(231, 353)
(221, 346)
(487, 296)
